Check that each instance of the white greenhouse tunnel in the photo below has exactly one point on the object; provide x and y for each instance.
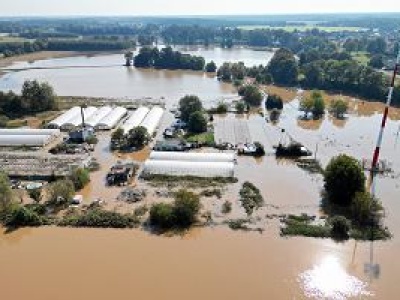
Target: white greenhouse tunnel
(152, 120)
(135, 119)
(188, 168)
(184, 156)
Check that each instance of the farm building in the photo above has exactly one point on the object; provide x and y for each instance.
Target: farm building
(185, 156)
(152, 120)
(27, 137)
(29, 131)
(65, 117)
(94, 119)
(111, 120)
(77, 120)
(135, 119)
(24, 140)
(188, 168)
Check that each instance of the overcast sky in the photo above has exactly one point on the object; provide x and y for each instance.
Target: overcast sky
(190, 7)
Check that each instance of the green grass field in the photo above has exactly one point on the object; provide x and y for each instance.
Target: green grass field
(361, 57)
(301, 28)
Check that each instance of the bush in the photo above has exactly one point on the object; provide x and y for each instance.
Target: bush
(226, 207)
(222, 108)
(23, 217)
(98, 218)
(162, 215)
(240, 107)
(80, 177)
(61, 192)
(365, 210)
(259, 149)
(340, 227)
(211, 67)
(343, 178)
(35, 194)
(181, 214)
(250, 197)
(186, 208)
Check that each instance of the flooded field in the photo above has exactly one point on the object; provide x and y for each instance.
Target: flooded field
(216, 262)
(104, 76)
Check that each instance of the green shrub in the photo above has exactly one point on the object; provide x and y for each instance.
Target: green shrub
(80, 177)
(250, 197)
(226, 207)
(21, 216)
(340, 227)
(162, 215)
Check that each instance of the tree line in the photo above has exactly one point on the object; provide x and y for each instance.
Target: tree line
(35, 97)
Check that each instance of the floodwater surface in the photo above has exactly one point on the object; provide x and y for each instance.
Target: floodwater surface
(104, 76)
(210, 263)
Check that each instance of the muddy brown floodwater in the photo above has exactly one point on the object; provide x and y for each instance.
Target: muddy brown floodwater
(215, 262)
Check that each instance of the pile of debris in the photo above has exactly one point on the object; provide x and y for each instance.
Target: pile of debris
(132, 195)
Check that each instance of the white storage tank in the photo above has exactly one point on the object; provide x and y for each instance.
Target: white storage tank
(152, 120)
(184, 156)
(135, 119)
(187, 168)
(112, 118)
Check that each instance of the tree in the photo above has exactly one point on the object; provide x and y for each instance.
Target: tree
(376, 61)
(6, 193)
(377, 45)
(343, 178)
(186, 208)
(251, 95)
(306, 105)
(36, 195)
(61, 192)
(283, 67)
(318, 104)
(365, 210)
(118, 135)
(338, 107)
(162, 215)
(38, 96)
(340, 227)
(128, 58)
(274, 102)
(138, 137)
(222, 108)
(188, 105)
(211, 67)
(80, 177)
(197, 122)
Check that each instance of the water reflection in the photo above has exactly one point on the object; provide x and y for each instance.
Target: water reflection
(329, 280)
